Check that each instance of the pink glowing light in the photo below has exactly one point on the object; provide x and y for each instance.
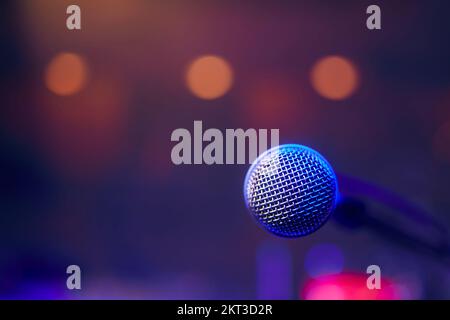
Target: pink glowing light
(348, 286)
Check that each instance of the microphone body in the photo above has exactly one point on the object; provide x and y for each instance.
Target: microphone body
(354, 214)
(291, 190)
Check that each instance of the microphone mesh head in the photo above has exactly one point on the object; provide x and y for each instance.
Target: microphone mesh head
(291, 190)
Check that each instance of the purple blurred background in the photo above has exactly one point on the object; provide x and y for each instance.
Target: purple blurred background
(86, 176)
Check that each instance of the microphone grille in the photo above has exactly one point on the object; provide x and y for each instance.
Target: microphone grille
(291, 190)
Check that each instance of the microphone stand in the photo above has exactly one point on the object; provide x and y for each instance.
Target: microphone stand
(352, 213)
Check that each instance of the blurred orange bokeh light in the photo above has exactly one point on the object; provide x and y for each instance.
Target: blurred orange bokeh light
(209, 77)
(334, 77)
(66, 74)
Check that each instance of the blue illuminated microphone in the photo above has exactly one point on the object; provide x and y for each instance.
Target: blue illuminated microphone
(291, 190)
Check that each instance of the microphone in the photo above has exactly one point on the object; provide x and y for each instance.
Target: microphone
(291, 190)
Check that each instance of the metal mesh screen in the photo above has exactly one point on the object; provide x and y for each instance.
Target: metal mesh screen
(291, 190)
